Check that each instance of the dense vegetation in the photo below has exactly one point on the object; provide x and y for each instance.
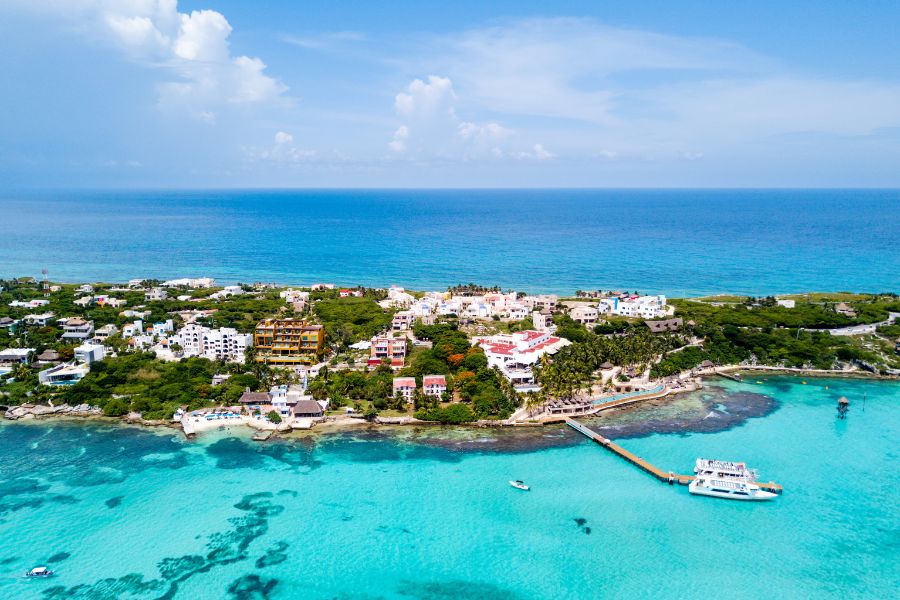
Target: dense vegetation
(765, 313)
(573, 367)
(138, 382)
(351, 319)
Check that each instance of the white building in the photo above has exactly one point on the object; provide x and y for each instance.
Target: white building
(403, 321)
(89, 353)
(516, 311)
(36, 303)
(224, 343)
(130, 330)
(284, 398)
(104, 333)
(787, 303)
(405, 387)
(16, 355)
(196, 283)
(163, 328)
(64, 374)
(229, 290)
(41, 320)
(542, 322)
(434, 385)
(155, 294)
(397, 297)
(585, 314)
(77, 328)
(110, 301)
(516, 353)
(541, 302)
(645, 307)
(292, 296)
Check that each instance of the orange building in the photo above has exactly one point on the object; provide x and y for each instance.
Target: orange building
(288, 342)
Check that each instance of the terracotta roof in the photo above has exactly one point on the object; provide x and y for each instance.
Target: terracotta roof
(434, 380)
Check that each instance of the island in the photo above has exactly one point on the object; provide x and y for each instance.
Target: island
(193, 354)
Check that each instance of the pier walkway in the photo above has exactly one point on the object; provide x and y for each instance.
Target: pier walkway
(666, 476)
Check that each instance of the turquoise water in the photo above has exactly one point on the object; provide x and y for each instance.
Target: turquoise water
(123, 512)
(677, 242)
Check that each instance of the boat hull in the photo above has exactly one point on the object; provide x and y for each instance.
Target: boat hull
(752, 496)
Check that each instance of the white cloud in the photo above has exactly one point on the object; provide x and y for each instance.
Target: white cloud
(431, 127)
(541, 153)
(398, 143)
(324, 41)
(487, 132)
(192, 48)
(282, 151)
(426, 99)
(645, 94)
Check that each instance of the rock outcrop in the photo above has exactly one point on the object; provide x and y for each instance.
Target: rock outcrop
(32, 411)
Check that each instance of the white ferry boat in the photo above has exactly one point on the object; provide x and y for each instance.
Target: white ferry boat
(724, 469)
(728, 488)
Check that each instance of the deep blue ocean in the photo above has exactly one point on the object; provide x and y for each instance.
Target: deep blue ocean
(677, 242)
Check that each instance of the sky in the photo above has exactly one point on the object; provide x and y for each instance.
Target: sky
(279, 93)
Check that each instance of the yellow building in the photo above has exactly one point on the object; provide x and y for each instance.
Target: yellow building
(287, 342)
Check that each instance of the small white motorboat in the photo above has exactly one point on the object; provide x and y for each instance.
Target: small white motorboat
(519, 485)
(729, 489)
(39, 572)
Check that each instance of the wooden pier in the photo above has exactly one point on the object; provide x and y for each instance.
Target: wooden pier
(731, 376)
(666, 476)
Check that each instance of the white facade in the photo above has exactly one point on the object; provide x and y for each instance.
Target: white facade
(291, 295)
(516, 353)
(41, 320)
(163, 328)
(787, 303)
(37, 303)
(542, 322)
(64, 374)
(434, 385)
(645, 307)
(584, 314)
(403, 321)
(223, 343)
(199, 282)
(130, 330)
(155, 294)
(89, 353)
(405, 387)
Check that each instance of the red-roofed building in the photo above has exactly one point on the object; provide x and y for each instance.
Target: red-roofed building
(405, 387)
(516, 353)
(434, 385)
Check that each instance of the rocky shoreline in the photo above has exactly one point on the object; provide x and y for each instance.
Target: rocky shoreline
(36, 411)
(30, 412)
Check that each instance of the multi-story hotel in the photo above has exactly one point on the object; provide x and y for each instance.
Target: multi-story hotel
(288, 342)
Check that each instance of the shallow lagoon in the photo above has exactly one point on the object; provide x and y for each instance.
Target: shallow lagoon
(123, 512)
